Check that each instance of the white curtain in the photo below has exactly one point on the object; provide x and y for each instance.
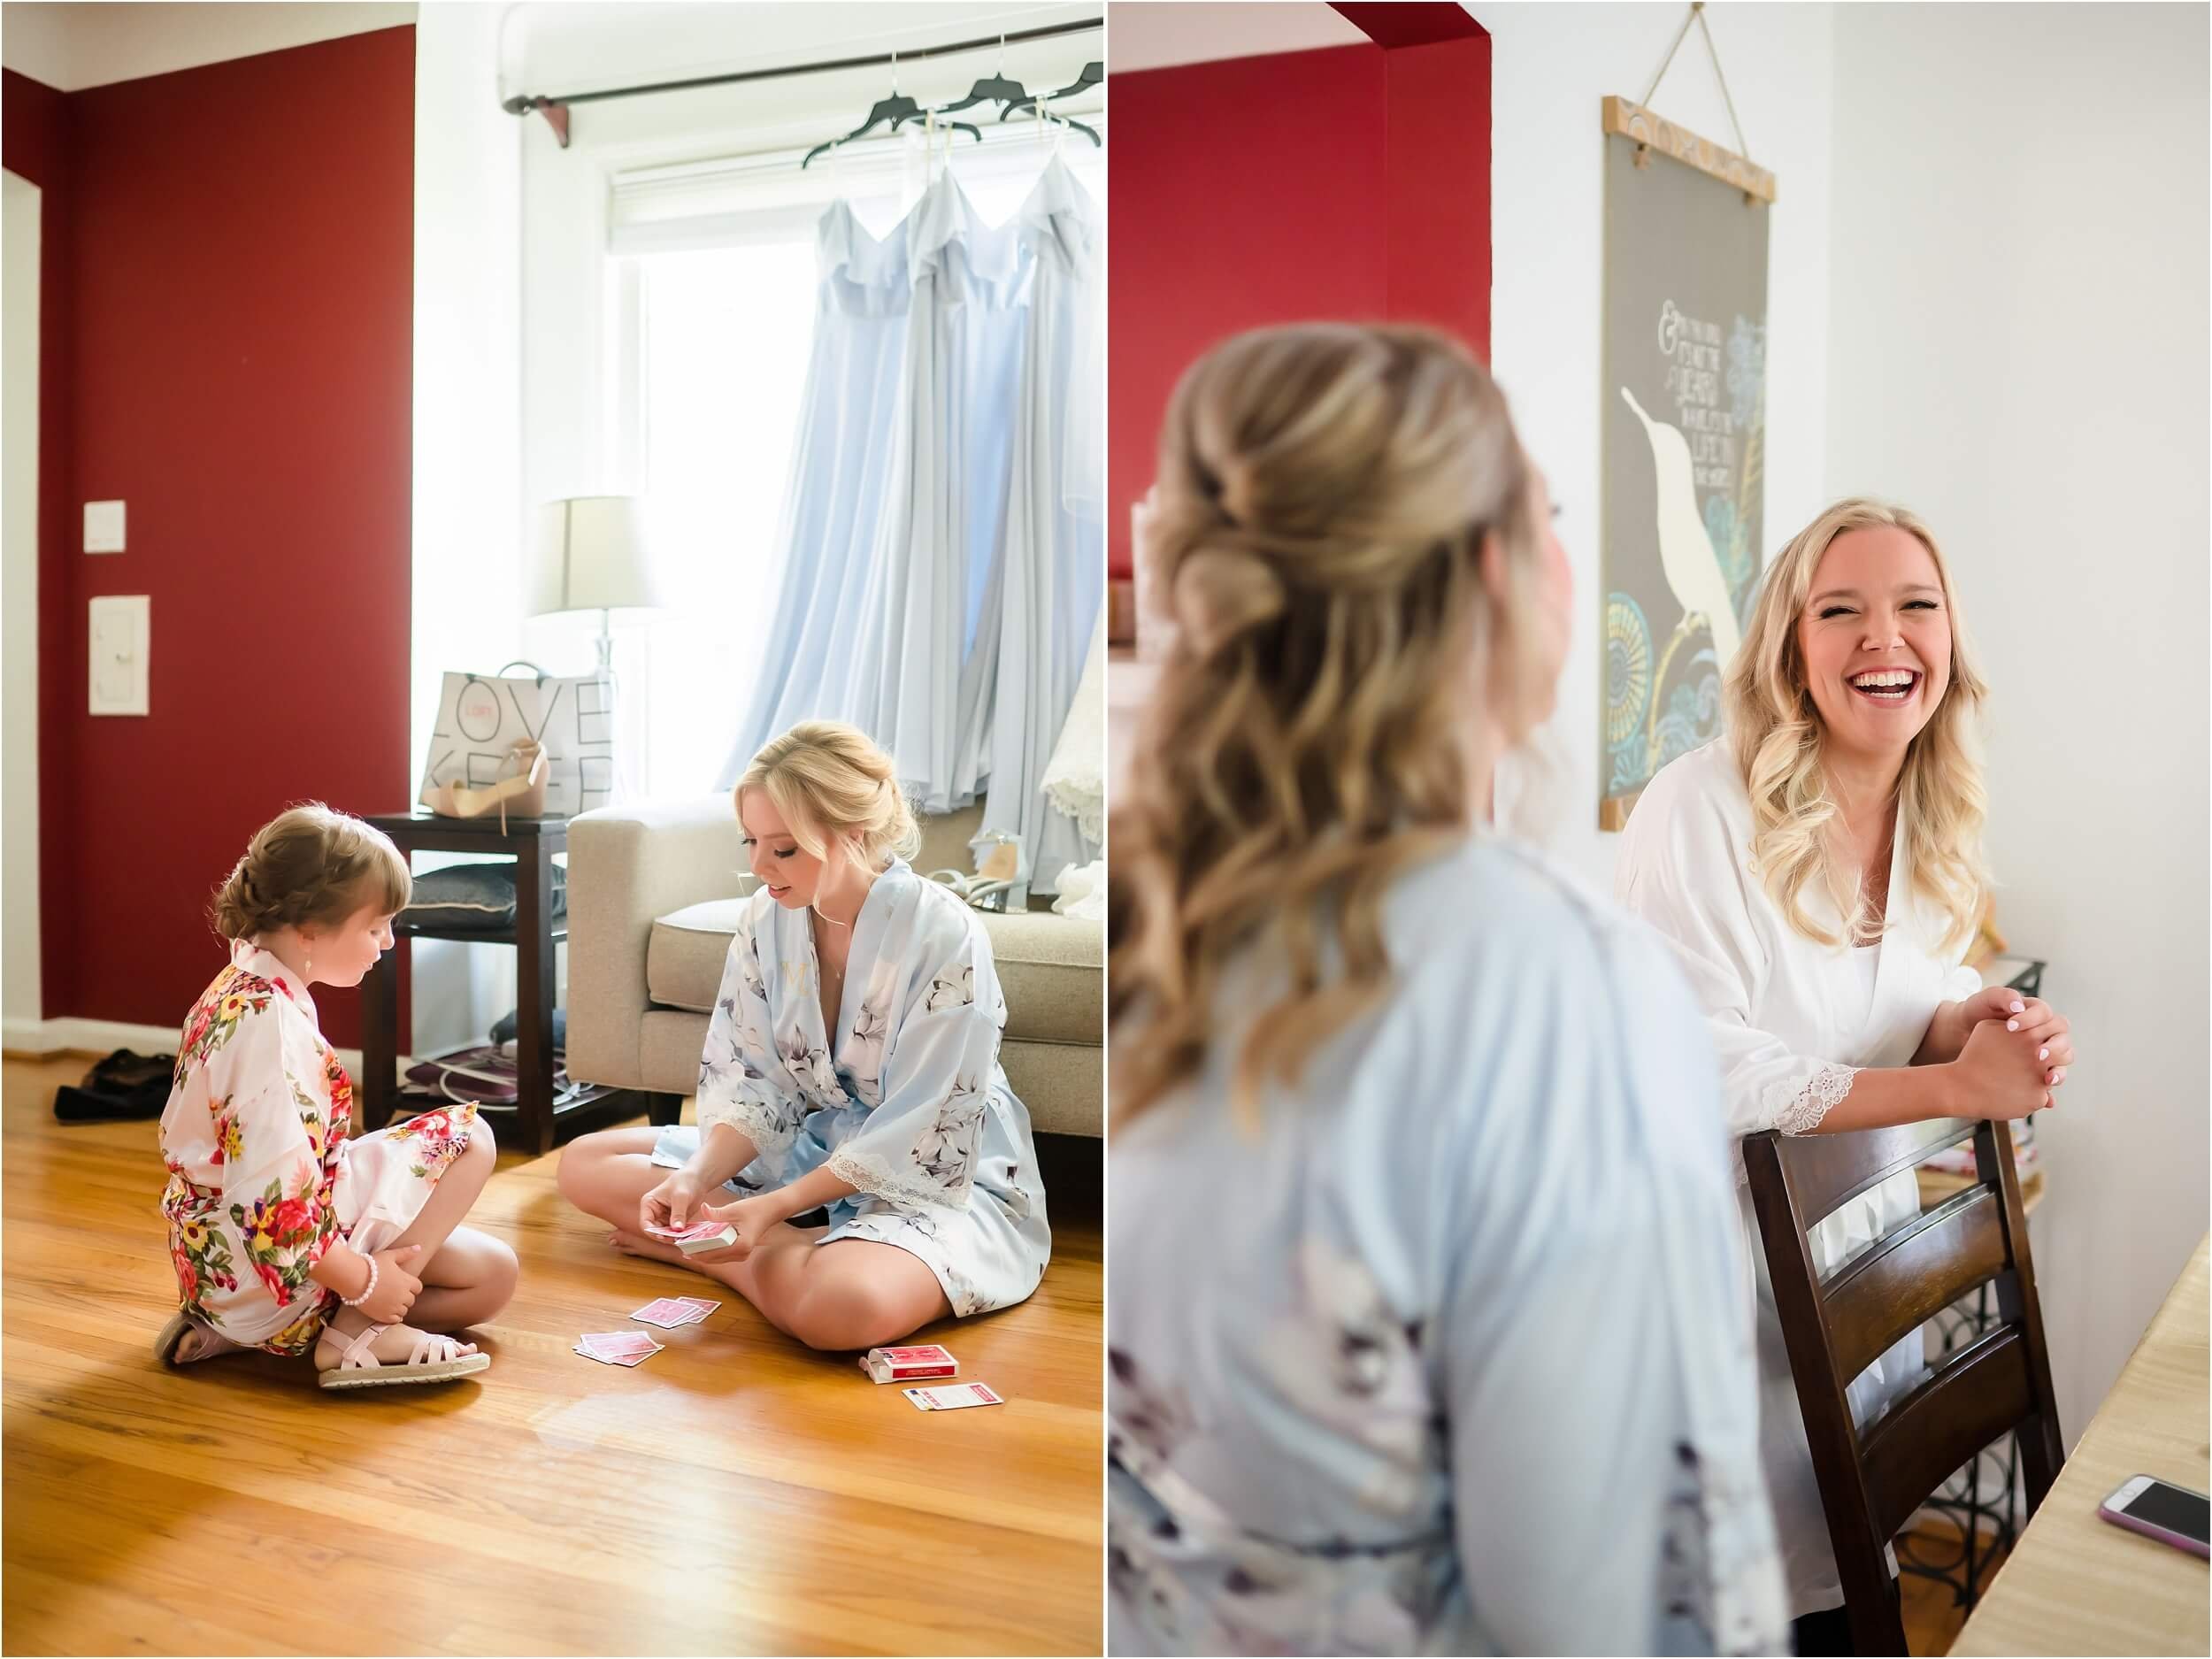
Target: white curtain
(945, 534)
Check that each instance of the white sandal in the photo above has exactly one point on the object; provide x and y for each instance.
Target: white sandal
(358, 1368)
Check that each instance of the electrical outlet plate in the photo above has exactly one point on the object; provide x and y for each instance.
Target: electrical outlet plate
(122, 632)
(104, 526)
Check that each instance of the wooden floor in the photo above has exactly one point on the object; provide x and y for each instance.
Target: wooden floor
(735, 1494)
(1932, 1616)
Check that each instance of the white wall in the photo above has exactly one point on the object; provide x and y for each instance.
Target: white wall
(468, 507)
(2017, 350)
(1162, 37)
(72, 46)
(19, 600)
(1551, 67)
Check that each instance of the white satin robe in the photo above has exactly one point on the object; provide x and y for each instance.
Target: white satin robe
(1791, 1021)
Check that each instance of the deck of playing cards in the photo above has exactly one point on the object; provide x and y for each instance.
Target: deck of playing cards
(618, 1348)
(700, 1235)
(952, 1397)
(668, 1312)
(917, 1363)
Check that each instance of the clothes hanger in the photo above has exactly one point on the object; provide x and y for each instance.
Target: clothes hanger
(894, 109)
(1093, 75)
(1040, 107)
(992, 88)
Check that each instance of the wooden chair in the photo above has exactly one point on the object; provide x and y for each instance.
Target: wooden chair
(1872, 1479)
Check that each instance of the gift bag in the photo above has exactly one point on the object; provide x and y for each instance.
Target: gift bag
(481, 717)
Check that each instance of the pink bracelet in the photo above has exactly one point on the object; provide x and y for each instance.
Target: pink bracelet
(367, 1290)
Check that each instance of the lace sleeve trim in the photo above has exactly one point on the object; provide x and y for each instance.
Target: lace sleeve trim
(1802, 1113)
(769, 1129)
(871, 1174)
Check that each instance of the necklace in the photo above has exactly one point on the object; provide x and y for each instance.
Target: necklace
(831, 972)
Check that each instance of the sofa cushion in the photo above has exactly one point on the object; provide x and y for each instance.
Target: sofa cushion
(683, 961)
(1051, 968)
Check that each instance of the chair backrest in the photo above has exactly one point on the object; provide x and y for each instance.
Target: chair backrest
(1871, 1480)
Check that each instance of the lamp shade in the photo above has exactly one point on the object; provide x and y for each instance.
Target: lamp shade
(592, 556)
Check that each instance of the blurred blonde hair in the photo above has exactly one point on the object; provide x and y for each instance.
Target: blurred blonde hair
(1323, 493)
(1776, 735)
(311, 865)
(828, 779)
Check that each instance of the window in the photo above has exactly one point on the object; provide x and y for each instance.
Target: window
(723, 335)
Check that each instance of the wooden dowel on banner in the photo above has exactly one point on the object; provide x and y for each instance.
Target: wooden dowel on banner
(1632, 121)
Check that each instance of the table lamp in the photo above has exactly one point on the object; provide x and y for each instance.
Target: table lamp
(593, 556)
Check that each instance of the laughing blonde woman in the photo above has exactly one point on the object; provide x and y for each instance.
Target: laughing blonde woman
(1819, 872)
(1427, 1332)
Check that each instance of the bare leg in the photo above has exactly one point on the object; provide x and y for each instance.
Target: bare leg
(846, 1294)
(449, 1202)
(854, 1294)
(450, 1198)
(608, 1175)
(469, 1280)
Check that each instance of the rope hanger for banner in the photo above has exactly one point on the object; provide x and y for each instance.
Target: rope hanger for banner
(1697, 16)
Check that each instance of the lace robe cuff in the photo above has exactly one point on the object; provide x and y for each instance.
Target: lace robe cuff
(1802, 1112)
(871, 1174)
(770, 1127)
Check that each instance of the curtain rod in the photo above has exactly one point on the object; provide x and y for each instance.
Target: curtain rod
(555, 108)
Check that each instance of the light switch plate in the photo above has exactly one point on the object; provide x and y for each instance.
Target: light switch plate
(104, 526)
(122, 633)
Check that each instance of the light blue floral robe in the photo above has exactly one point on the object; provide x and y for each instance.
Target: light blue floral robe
(908, 1103)
(1450, 1354)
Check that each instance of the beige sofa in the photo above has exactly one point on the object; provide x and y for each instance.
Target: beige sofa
(653, 894)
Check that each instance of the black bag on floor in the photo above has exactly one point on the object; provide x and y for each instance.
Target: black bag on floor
(123, 1088)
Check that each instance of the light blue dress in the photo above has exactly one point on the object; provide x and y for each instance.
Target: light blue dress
(907, 1103)
(1452, 1352)
(943, 526)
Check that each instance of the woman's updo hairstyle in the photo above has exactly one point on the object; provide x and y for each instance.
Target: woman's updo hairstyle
(828, 781)
(1324, 499)
(310, 866)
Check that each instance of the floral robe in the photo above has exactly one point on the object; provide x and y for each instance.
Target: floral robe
(262, 1173)
(908, 1102)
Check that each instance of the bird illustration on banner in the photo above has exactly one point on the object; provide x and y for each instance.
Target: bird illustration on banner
(1687, 554)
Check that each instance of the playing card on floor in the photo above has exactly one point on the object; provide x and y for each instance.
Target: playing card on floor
(700, 1307)
(953, 1397)
(668, 1312)
(618, 1348)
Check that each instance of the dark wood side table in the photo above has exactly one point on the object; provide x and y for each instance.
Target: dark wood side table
(530, 842)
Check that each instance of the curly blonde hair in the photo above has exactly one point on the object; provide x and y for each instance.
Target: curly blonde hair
(310, 866)
(1324, 495)
(1775, 732)
(827, 779)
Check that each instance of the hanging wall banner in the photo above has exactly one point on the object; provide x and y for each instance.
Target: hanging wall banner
(1683, 417)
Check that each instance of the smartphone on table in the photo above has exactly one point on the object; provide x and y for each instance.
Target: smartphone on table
(2158, 1508)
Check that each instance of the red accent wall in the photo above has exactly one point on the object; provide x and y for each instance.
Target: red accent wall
(1351, 183)
(238, 267)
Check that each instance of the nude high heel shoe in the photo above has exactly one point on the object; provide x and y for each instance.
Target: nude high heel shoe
(523, 795)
